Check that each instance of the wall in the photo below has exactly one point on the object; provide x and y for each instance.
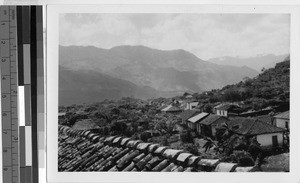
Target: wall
(191, 105)
(266, 139)
(198, 128)
(281, 123)
(221, 112)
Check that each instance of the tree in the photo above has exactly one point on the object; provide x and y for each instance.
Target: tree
(228, 138)
(166, 126)
(254, 148)
(118, 128)
(209, 144)
(243, 158)
(144, 136)
(186, 136)
(232, 95)
(207, 108)
(191, 148)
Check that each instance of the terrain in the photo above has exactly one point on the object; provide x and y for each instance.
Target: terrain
(89, 73)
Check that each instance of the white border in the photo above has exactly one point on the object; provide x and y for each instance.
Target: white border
(53, 175)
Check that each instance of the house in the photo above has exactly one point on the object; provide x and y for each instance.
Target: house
(193, 122)
(185, 115)
(282, 120)
(267, 135)
(209, 124)
(228, 110)
(190, 105)
(171, 109)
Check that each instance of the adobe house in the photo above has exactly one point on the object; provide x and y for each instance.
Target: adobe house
(190, 105)
(228, 110)
(194, 122)
(209, 124)
(267, 135)
(185, 115)
(282, 120)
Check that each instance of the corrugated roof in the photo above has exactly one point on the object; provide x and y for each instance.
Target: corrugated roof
(198, 117)
(81, 150)
(170, 108)
(284, 115)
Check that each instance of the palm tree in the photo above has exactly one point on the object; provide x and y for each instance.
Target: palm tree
(166, 127)
(210, 144)
(229, 138)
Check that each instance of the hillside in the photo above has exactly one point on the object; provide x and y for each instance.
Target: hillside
(271, 85)
(169, 72)
(257, 63)
(77, 87)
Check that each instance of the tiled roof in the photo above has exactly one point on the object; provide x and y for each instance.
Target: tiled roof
(265, 118)
(80, 150)
(212, 118)
(198, 117)
(185, 115)
(284, 115)
(250, 126)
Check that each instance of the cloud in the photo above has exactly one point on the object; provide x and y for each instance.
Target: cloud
(205, 35)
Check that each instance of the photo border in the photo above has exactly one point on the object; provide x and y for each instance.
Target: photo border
(53, 175)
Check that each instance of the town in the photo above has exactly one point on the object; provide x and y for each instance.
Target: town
(243, 127)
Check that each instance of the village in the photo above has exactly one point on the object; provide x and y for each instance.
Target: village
(231, 134)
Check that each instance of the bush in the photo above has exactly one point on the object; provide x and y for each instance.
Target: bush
(145, 136)
(186, 136)
(191, 148)
(243, 158)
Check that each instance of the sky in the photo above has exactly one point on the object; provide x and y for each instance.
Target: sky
(205, 35)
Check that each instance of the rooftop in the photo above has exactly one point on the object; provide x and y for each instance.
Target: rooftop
(198, 117)
(170, 108)
(82, 150)
(211, 119)
(250, 126)
(284, 115)
(185, 115)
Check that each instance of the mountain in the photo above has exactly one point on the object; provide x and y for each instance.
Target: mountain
(164, 72)
(257, 63)
(85, 86)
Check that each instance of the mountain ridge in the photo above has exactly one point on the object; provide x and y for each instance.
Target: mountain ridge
(258, 62)
(164, 71)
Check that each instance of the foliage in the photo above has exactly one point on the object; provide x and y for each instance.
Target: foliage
(144, 136)
(118, 128)
(209, 144)
(207, 108)
(243, 158)
(166, 125)
(186, 136)
(191, 148)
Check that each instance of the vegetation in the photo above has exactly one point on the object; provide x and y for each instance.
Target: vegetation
(268, 88)
(140, 119)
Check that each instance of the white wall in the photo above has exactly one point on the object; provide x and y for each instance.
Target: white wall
(221, 112)
(198, 128)
(191, 105)
(281, 123)
(266, 139)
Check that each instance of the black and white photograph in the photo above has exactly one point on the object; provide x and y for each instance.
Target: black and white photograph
(174, 92)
